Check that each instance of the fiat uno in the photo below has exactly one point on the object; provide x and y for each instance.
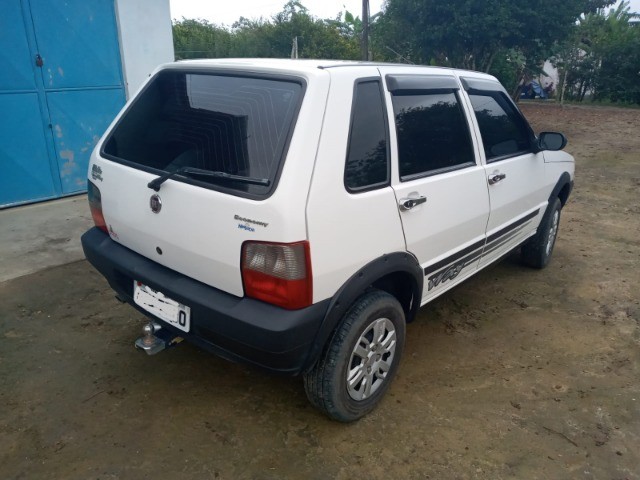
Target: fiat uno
(295, 215)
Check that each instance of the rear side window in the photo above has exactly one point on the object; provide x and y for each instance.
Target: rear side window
(367, 165)
(230, 124)
(433, 135)
(504, 132)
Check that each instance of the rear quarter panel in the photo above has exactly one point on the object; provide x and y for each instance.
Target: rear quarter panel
(346, 231)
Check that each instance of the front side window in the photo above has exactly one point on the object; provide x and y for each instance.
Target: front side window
(433, 135)
(367, 165)
(503, 130)
(229, 124)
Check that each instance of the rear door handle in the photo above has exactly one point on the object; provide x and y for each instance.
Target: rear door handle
(496, 177)
(408, 203)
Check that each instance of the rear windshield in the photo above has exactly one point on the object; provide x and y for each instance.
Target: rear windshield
(235, 125)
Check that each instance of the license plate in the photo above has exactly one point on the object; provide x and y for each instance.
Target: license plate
(161, 306)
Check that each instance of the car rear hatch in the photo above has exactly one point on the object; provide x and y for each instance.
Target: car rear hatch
(186, 172)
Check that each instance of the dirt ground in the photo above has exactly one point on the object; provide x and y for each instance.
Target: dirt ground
(514, 374)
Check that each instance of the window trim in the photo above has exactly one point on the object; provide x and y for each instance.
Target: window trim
(198, 183)
(437, 171)
(412, 84)
(490, 88)
(385, 116)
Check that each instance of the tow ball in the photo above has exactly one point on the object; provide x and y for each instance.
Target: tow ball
(155, 339)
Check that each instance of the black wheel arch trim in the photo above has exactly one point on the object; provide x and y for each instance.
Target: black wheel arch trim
(563, 181)
(397, 262)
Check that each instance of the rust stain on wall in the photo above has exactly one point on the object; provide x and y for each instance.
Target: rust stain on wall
(69, 165)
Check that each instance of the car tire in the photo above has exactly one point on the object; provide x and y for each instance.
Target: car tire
(360, 360)
(536, 252)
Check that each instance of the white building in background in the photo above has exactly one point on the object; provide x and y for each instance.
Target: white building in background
(146, 39)
(552, 76)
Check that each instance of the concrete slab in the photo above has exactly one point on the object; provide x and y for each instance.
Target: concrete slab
(43, 235)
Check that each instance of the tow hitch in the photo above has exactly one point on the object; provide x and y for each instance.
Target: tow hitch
(155, 339)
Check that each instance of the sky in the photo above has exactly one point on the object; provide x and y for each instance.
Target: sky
(228, 11)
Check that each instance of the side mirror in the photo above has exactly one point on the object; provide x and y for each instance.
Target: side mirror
(552, 141)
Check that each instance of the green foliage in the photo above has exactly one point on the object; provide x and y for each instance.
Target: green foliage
(602, 58)
(618, 47)
(470, 33)
(507, 66)
(508, 38)
(269, 38)
(200, 39)
(597, 53)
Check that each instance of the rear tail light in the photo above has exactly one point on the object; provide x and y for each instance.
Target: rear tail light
(95, 204)
(278, 273)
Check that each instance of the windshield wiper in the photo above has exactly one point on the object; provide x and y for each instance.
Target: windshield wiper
(157, 182)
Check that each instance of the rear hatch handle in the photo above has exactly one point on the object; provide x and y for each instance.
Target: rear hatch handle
(192, 171)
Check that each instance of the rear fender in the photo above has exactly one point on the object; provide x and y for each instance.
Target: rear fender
(371, 275)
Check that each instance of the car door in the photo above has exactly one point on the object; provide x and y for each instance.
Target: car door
(514, 172)
(439, 185)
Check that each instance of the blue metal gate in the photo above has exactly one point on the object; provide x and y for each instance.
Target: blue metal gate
(60, 87)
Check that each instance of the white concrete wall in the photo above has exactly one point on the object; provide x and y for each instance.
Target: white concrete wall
(146, 39)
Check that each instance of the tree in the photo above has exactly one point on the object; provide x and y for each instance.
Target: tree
(474, 34)
(200, 39)
(618, 49)
(602, 58)
(268, 38)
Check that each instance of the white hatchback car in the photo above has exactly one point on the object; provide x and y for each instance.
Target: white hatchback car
(296, 214)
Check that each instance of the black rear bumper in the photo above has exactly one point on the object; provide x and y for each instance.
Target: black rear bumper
(238, 329)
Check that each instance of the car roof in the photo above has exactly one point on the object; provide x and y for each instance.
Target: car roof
(309, 66)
